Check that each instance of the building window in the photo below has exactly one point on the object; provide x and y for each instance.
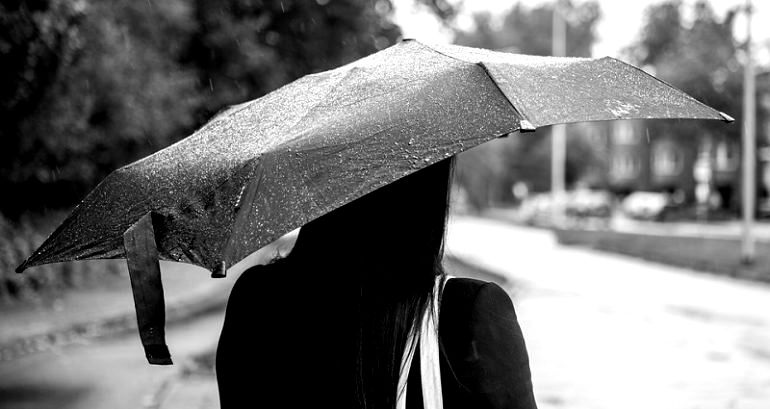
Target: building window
(667, 160)
(625, 165)
(726, 157)
(624, 133)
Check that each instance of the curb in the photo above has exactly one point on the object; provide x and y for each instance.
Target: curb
(185, 308)
(626, 244)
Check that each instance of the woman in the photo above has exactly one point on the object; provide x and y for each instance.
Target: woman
(327, 326)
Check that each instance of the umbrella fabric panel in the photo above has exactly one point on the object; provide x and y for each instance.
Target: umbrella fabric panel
(359, 141)
(183, 179)
(548, 90)
(196, 187)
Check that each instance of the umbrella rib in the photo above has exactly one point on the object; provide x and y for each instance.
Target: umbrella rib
(401, 86)
(726, 118)
(524, 124)
(326, 95)
(225, 180)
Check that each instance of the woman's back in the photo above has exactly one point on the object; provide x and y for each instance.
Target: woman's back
(310, 361)
(286, 342)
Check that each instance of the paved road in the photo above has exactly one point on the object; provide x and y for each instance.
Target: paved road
(603, 332)
(613, 332)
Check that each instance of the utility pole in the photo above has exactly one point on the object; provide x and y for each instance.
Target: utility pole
(749, 147)
(558, 132)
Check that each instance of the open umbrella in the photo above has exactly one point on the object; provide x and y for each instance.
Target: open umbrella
(263, 168)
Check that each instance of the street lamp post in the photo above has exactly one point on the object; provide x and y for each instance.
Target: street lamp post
(749, 147)
(558, 132)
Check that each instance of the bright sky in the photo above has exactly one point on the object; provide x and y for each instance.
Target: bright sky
(619, 25)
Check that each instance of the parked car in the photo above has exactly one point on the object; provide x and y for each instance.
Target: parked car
(577, 205)
(586, 203)
(535, 209)
(647, 205)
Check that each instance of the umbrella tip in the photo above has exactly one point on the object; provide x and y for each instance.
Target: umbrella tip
(221, 270)
(726, 118)
(526, 126)
(23, 266)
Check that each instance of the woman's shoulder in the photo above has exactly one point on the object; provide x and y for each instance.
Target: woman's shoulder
(470, 289)
(472, 299)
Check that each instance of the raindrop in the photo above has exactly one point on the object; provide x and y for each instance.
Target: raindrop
(411, 141)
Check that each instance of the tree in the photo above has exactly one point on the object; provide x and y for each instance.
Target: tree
(37, 39)
(245, 49)
(528, 30)
(96, 85)
(119, 94)
(525, 156)
(701, 57)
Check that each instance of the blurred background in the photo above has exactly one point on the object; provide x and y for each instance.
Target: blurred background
(90, 86)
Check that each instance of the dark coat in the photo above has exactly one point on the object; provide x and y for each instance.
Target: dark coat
(484, 362)
(264, 358)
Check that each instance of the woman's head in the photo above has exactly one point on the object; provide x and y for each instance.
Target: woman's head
(400, 224)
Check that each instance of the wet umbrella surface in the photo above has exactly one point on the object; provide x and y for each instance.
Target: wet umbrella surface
(263, 168)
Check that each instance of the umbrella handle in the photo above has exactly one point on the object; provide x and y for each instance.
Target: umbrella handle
(144, 270)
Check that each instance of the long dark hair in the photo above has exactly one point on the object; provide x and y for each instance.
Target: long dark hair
(386, 248)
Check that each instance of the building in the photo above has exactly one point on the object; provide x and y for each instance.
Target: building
(692, 165)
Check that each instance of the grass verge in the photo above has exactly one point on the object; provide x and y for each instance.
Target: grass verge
(720, 256)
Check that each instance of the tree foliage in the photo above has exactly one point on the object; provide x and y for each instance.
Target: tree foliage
(529, 30)
(700, 56)
(244, 49)
(94, 85)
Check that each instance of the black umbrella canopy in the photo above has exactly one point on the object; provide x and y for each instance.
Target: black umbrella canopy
(263, 168)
